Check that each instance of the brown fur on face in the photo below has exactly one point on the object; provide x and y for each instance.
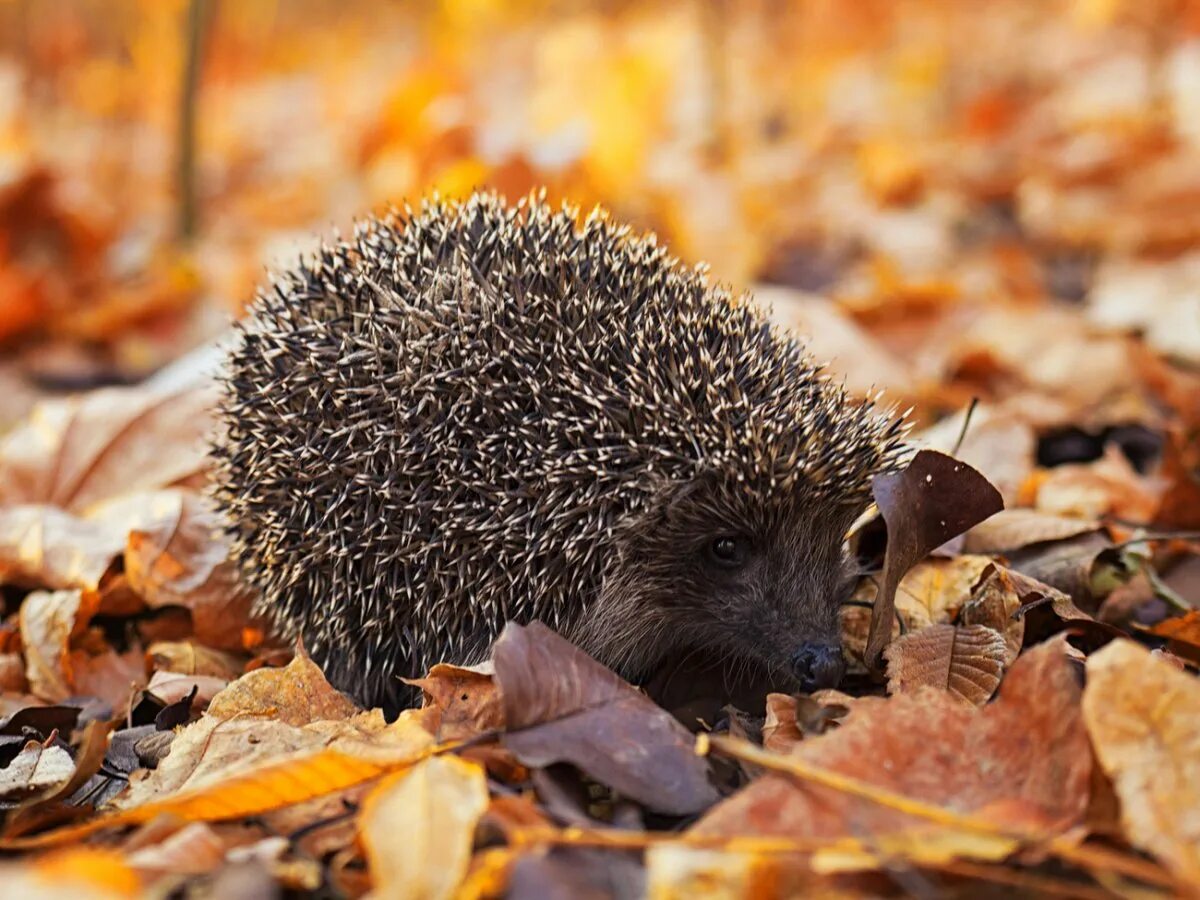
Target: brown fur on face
(664, 594)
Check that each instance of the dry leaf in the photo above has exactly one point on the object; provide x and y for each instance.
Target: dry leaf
(934, 591)
(296, 694)
(467, 701)
(48, 620)
(563, 706)
(934, 499)
(74, 453)
(1011, 529)
(678, 871)
(192, 850)
(418, 828)
(182, 559)
(35, 768)
(1021, 761)
(968, 662)
(1108, 486)
(171, 687)
(75, 874)
(1143, 715)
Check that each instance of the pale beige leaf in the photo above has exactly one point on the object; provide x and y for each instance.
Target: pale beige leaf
(918, 845)
(933, 591)
(418, 828)
(48, 619)
(193, 850)
(1011, 529)
(34, 768)
(76, 452)
(676, 871)
(966, 661)
(1143, 716)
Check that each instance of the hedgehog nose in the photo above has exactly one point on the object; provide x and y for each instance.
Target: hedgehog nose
(818, 665)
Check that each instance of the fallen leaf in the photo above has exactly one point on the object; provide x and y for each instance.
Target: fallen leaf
(1108, 486)
(933, 591)
(1183, 629)
(296, 695)
(81, 873)
(1012, 529)
(1143, 716)
(1021, 761)
(109, 675)
(467, 701)
(191, 658)
(182, 559)
(576, 872)
(74, 453)
(192, 850)
(36, 768)
(418, 828)
(967, 661)
(677, 870)
(560, 705)
(790, 719)
(934, 499)
(171, 687)
(999, 598)
(48, 620)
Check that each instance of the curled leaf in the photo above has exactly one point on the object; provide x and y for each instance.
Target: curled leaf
(966, 661)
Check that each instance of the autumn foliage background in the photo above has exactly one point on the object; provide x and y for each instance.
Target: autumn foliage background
(958, 202)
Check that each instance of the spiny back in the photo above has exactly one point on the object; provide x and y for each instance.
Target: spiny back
(445, 423)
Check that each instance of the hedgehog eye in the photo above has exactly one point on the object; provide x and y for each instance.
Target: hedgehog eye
(729, 551)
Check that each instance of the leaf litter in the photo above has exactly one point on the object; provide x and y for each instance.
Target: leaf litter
(1021, 705)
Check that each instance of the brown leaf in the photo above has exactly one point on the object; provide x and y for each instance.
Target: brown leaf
(965, 661)
(997, 599)
(1143, 715)
(934, 499)
(182, 560)
(792, 718)
(212, 760)
(418, 828)
(48, 620)
(109, 675)
(1107, 486)
(296, 694)
(171, 687)
(195, 849)
(1011, 529)
(1023, 760)
(563, 706)
(77, 452)
(467, 701)
(999, 445)
(190, 658)
(933, 591)
(44, 546)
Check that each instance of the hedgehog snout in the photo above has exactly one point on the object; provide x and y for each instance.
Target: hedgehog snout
(818, 664)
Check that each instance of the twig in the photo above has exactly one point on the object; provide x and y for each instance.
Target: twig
(197, 28)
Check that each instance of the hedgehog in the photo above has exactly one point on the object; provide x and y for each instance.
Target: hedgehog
(472, 413)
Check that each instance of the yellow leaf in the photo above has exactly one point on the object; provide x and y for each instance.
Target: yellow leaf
(418, 828)
(1143, 716)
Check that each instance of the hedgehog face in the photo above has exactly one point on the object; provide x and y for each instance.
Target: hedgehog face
(719, 572)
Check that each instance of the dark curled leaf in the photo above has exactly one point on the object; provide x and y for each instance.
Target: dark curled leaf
(563, 706)
(41, 720)
(177, 713)
(933, 500)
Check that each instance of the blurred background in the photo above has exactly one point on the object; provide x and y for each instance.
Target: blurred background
(952, 199)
